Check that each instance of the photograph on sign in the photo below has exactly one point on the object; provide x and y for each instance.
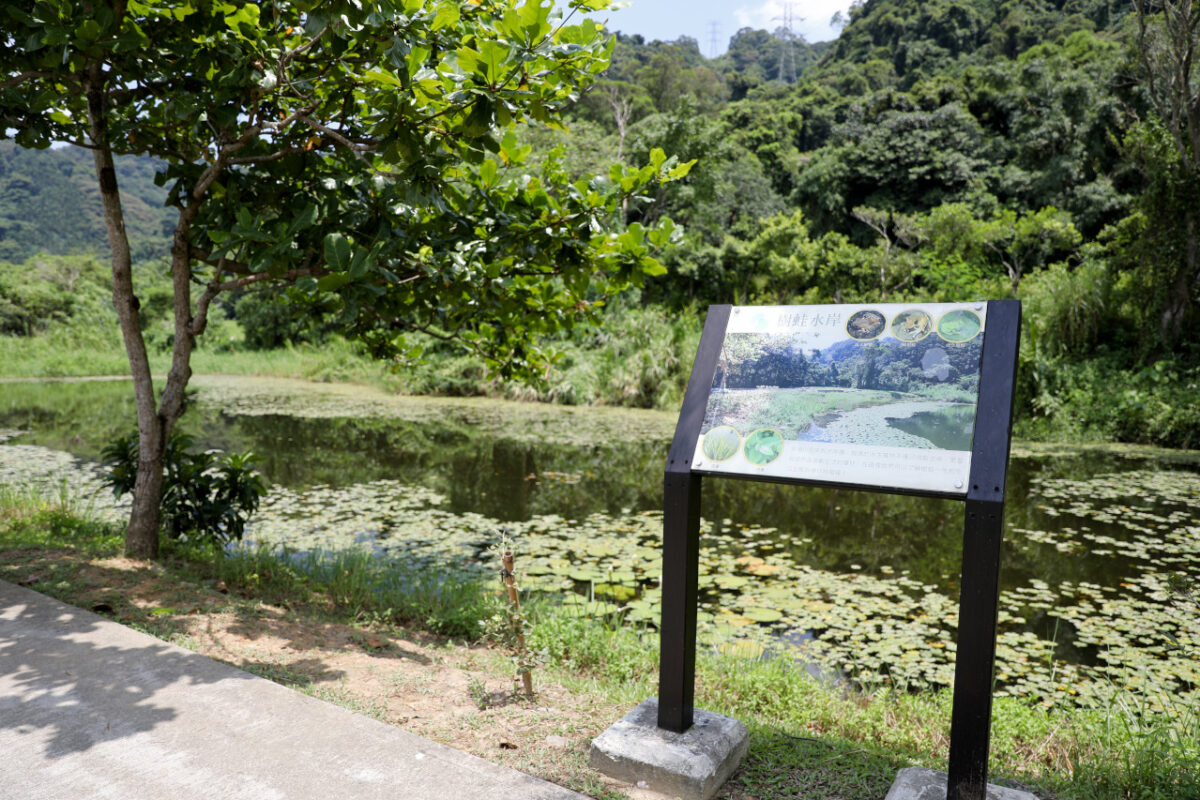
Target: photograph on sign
(876, 395)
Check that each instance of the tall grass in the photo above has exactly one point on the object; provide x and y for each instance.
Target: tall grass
(56, 355)
(637, 357)
(363, 585)
(38, 517)
(335, 360)
(1131, 751)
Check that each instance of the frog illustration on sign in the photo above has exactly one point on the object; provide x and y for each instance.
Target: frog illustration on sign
(912, 325)
(865, 324)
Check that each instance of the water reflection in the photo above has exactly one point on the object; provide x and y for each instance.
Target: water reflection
(507, 477)
(948, 428)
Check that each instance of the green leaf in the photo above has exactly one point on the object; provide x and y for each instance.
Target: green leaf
(382, 76)
(245, 17)
(493, 55)
(479, 121)
(337, 252)
(681, 170)
(487, 172)
(651, 266)
(88, 30)
(359, 265)
(468, 60)
(305, 218)
(331, 283)
(447, 14)
(416, 59)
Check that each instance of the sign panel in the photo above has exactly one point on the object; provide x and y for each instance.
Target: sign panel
(869, 395)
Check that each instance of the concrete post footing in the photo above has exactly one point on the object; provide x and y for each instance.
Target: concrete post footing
(919, 783)
(691, 765)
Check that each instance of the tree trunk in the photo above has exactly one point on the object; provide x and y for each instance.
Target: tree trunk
(1169, 46)
(141, 538)
(1187, 280)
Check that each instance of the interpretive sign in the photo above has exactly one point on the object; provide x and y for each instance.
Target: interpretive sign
(913, 398)
(882, 395)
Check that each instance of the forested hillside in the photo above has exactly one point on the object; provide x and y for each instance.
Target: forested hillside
(49, 202)
(937, 150)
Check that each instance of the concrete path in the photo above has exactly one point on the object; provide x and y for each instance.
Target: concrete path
(90, 709)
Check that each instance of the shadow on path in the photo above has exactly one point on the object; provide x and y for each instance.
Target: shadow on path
(77, 679)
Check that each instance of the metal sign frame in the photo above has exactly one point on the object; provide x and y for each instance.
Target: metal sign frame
(970, 726)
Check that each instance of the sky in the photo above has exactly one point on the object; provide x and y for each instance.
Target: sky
(670, 19)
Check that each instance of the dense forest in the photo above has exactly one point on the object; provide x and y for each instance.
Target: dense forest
(937, 150)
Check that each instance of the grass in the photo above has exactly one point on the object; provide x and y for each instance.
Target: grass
(809, 738)
(356, 585)
(812, 739)
(638, 358)
(335, 361)
(61, 353)
(67, 355)
(35, 519)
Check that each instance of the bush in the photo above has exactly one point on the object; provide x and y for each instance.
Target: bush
(1101, 400)
(205, 497)
(276, 320)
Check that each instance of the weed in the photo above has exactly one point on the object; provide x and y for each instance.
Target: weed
(279, 673)
(341, 697)
(479, 693)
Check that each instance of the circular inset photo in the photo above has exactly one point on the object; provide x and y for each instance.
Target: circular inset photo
(959, 325)
(912, 325)
(763, 446)
(865, 324)
(721, 443)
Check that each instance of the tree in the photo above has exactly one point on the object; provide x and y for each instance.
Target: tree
(1024, 241)
(364, 154)
(737, 352)
(1169, 50)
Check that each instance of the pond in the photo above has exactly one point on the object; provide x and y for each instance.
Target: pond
(949, 427)
(865, 584)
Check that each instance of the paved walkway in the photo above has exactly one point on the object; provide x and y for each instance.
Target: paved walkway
(90, 709)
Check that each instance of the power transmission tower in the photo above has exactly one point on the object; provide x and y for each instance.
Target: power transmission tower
(787, 54)
(714, 32)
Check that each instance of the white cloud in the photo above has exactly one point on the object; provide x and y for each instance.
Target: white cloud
(810, 18)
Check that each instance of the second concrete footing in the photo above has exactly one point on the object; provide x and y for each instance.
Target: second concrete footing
(691, 765)
(919, 783)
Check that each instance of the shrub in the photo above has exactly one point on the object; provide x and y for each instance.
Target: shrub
(206, 497)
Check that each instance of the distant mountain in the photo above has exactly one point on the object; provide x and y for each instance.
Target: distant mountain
(840, 351)
(49, 202)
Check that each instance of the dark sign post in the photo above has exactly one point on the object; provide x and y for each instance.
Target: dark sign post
(778, 460)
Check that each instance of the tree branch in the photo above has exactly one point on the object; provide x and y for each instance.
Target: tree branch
(278, 154)
(200, 319)
(357, 149)
(21, 77)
